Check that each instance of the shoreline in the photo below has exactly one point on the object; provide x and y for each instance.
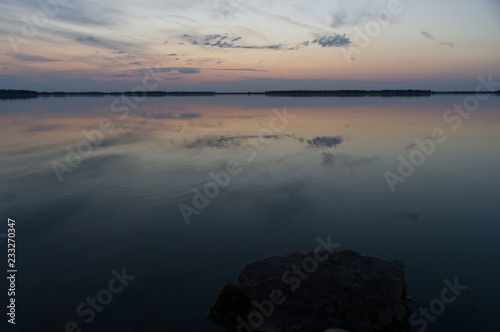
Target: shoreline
(28, 94)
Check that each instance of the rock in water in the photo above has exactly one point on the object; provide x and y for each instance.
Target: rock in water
(316, 292)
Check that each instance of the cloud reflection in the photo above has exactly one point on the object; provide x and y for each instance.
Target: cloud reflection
(345, 160)
(326, 141)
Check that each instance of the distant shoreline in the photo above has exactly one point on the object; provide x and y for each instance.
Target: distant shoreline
(27, 94)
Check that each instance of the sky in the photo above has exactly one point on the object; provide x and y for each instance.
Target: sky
(248, 45)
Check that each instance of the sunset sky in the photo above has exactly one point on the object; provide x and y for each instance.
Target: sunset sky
(242, 45)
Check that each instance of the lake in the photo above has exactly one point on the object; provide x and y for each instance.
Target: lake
(175, 195)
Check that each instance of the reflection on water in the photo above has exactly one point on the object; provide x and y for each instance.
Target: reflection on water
(321, 173)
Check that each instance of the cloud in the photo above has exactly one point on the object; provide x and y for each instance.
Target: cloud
(34, 58)
(239, 69)
(138, 63)
(86, 15)
(431, 37)
(414, 145)
(292, 22)
(88, 39)
(212, 37)
(167, 70)
(225, 41)
(339, 19)
(115, 45)
(128, 57)
(74, 12)
(428, 35)
(449, 44)
(334, 40)
(41, 128)
(343, 17)
(410, 146)
(226, 7)
(172, 54)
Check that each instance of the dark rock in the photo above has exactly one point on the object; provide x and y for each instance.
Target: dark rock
(315, 292)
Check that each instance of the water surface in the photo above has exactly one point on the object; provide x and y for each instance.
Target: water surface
(316, 173)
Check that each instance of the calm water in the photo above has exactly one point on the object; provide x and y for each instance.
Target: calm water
(319, 172)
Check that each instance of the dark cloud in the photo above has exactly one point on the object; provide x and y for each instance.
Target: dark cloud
(334, 40)
(137, 63)
(172, 54)
(428, 35)
(224, 41)
(212, 37)
(35, 58)
(219, 41)
(431, 37)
